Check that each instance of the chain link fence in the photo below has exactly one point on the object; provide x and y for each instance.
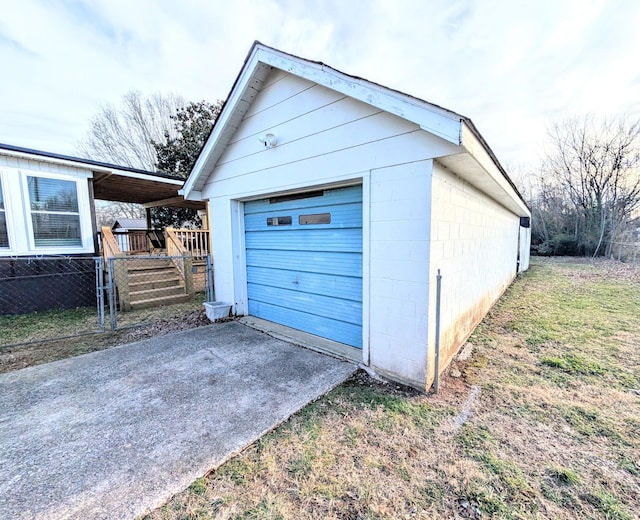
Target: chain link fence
(52, 298)
(144, 288)
(49, 297)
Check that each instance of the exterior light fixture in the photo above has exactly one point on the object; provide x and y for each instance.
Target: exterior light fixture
(268, 140)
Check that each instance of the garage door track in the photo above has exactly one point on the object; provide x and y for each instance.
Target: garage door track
(114, 434)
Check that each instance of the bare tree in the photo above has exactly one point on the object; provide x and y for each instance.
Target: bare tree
(597, 165)
(107, 213)
(123, 134)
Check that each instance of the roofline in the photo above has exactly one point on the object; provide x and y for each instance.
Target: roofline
(189, 189)
(79, 160)
(454, 115)
(187, 186)
(494, 158)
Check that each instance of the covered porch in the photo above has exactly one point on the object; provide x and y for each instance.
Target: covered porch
(151, 266)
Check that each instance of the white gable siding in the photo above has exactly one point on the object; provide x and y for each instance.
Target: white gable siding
(474, 243)
(322, 136)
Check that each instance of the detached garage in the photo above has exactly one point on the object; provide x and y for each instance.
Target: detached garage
(334, 202)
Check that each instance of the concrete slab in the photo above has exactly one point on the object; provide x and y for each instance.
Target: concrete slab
(114, 434)
(304, 339)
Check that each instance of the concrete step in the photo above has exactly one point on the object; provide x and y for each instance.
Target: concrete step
(152, 294)
(167, 300)
(154, 284)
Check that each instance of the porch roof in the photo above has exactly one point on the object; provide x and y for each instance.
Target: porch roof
(147, 189)
(116, 183)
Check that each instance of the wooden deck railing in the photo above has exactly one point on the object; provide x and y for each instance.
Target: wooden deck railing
(181, 257)
(196, 241)
(132, 242)
(183, 241)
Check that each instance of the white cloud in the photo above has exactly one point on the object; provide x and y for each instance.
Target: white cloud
(510, 66)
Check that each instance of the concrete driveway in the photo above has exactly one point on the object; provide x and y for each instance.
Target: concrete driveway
(114, 434)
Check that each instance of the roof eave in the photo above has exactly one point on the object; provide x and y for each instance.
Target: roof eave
(195, 181)
(475, 145)
(79, 162)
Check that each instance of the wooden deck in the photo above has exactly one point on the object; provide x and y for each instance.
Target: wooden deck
(152, 268)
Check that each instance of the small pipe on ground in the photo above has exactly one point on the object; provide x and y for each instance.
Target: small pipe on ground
(436, 381)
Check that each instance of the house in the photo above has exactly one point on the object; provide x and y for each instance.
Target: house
(129, 224)
(47, 215)
(47, 200)
(131, 233)
(335, 202)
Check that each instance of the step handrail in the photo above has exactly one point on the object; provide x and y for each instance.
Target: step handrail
(110, 250)
(110, 247)
(180, 256)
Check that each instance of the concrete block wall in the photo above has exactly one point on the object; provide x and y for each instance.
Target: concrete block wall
(399, 275)
(474, 243)
(525, 248)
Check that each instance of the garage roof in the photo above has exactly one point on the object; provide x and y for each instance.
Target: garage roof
(477, 162)
(116, 183)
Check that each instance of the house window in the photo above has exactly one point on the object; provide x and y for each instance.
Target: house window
(54, 212)
(4, 235)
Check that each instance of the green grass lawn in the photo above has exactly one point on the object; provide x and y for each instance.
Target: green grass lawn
(544, 423)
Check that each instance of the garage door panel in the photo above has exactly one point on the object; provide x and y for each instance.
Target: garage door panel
(347, 287)
(342, 195)
(307, 276)
(342, 216)
(342, 332)
(345, 264)
(338, 240)
(329, 307)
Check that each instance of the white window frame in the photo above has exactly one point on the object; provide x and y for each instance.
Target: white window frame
(84, 213)
(7, 214)
(18, 207)
(30, 212)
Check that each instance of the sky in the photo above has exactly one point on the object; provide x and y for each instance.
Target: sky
(512, 66)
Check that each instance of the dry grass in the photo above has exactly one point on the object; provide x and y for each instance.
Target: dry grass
(41, 331)
(543, 423)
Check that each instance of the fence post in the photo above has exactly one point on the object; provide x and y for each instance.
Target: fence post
(209, 274)
(187, 264)
(100, 292)
(113, 320)
(122, 283)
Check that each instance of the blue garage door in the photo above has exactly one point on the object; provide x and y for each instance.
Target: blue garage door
(304, 262)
